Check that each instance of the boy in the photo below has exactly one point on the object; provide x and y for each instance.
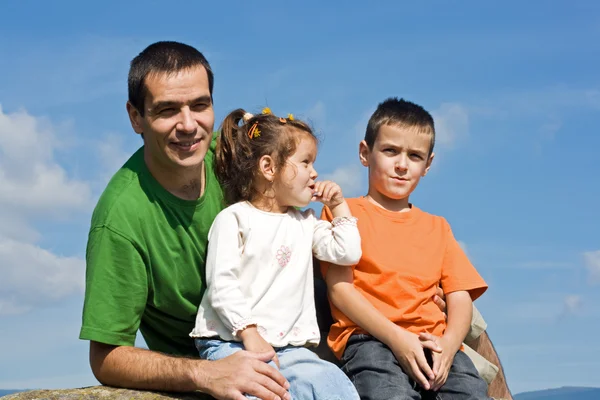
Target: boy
(393, 341)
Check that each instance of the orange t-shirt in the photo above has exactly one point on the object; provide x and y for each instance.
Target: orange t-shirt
(405, 255)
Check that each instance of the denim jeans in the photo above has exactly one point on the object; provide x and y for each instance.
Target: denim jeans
(309, 376)
(376, 374)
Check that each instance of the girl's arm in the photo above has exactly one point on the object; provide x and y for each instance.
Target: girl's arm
(223, 267)
(338, 241)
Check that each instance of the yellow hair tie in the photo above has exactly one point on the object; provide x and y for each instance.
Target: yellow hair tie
(266, 110)
(291, 117)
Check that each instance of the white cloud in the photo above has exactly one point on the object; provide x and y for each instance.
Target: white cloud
(316, 116)
(451, 124)
(34, 187)
(572, 304)
(113, 151)
(463, 246)
(30, 180)
(592, 263)
(32, 276)
(349, 178)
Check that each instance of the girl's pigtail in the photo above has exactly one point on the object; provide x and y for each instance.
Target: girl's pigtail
(232, 149)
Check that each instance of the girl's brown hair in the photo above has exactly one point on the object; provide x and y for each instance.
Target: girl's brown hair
(240, 147)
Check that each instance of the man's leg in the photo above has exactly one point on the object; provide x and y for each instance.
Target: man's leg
(463, 383)
(375, 372)
(498, 388)
(312, 378)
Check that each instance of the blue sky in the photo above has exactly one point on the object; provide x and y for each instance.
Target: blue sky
(514, 88)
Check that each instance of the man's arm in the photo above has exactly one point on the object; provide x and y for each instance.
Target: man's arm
(229, 378)
(483, 345)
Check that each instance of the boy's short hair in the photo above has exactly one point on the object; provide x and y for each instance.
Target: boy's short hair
(394, 111)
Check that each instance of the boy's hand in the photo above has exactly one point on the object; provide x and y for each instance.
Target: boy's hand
(442, 361)
(255, 343)
(408, 350)
(328, 193)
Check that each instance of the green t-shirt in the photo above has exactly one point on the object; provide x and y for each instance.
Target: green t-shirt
(145, 260)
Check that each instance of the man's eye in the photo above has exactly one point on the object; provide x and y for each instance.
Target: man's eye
(199, 106)
(167, 111)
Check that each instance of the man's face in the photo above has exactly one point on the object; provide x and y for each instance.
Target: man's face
(178, 120)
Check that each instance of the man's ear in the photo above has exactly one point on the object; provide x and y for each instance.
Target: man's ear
(429, 161)
(135, 118)
(363, 153)
(266, 165)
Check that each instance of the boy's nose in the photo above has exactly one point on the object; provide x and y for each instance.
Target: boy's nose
(401, 164)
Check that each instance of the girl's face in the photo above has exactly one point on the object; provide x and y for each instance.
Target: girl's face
(296, 182)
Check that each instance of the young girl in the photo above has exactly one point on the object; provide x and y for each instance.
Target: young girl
(259, 277)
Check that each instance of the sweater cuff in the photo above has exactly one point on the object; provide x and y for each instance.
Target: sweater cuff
(337, 221)
(241, 325)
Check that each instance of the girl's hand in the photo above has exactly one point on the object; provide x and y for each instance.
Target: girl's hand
(329, 193)
(255, 343)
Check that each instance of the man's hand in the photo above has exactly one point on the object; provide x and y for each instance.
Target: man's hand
(439, 298)
(255, 343)
(244, 372)
(408, 350)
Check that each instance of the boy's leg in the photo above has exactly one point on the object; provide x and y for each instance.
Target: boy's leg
(375, 372)
(463, 381)
(313, 378)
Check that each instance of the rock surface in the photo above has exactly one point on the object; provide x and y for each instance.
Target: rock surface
(102, 392)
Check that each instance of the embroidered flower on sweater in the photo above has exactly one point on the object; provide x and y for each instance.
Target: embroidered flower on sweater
(211, 325)
(262, 331)
(283, 256)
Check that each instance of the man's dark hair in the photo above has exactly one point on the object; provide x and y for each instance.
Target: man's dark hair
(399, 112)
(162, 57)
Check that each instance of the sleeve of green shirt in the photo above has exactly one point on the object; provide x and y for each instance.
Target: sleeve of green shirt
(116, 288)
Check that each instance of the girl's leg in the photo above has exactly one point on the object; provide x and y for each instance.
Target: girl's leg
(214, 349)
(313, 378)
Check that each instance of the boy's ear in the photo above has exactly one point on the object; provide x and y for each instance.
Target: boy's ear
(429, 161)
(266, 164)
(135, 118)
(363, 153)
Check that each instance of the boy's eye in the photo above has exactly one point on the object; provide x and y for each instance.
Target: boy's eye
(416, 156)
(389, 151)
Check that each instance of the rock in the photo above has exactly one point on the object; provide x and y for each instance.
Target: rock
(102, 392)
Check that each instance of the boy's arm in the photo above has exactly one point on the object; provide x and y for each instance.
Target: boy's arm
(460, 312)
(406, 346)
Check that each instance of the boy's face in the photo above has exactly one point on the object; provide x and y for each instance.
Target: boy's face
(397, 161)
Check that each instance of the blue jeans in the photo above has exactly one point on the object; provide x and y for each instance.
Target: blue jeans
(308, 375)
(374, 370)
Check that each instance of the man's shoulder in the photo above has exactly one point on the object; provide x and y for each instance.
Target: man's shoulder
(123, 194)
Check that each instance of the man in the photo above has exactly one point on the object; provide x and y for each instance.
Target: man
(147, 242)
